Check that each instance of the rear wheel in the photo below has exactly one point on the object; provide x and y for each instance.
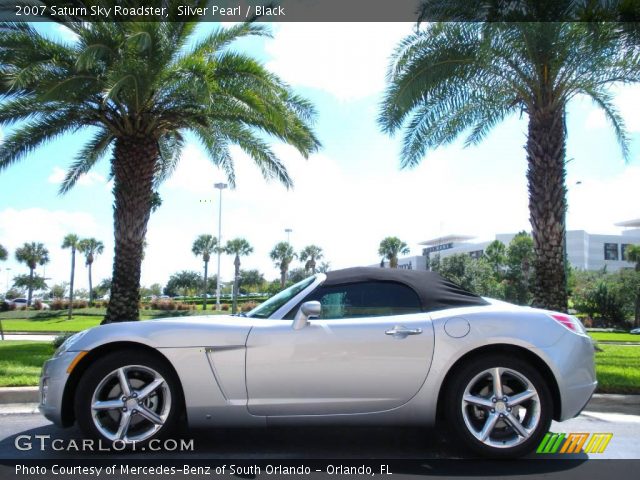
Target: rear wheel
(499, 406)
(128, 397)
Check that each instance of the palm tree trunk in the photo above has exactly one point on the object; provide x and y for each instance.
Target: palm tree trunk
(283, 276)
(236, 264)
(204, 296)
(73, 274)
(393, 262)
(30, 289)
(90, 287)
(547, 205)
(133, 168)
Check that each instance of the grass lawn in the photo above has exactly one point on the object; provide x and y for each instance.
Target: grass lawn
(614, 337)
(56, 321)
(618, 369)
(21, 362)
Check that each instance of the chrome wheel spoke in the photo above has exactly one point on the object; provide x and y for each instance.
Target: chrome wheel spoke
(149, 389)
(149, 415)
(140, 396)
(123, 427)
(478, 401)
(124, 382)
(521, 397)
(496, 375)
(489, 425)
(494, 413)
(517, 426)
(107, 405)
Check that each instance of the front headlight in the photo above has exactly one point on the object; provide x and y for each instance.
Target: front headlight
(66, 345)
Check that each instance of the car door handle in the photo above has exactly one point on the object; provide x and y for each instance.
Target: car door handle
(403, 331)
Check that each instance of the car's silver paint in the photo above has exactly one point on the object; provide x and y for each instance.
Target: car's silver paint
(336, 366)
(218, 359)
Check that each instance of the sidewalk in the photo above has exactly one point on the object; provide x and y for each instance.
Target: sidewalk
(36, 337)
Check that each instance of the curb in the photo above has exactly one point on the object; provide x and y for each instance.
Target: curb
(19, 395)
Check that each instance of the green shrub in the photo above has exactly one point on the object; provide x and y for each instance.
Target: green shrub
(59, 340)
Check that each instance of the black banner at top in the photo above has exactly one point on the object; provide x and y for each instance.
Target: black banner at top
(321, 10)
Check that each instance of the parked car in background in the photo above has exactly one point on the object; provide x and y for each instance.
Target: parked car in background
(19, 303)
(368, 346)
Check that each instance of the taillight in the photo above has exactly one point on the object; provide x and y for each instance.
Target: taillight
(568, 321)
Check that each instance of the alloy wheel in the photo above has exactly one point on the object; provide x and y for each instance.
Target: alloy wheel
(131, 404)
(501, 407)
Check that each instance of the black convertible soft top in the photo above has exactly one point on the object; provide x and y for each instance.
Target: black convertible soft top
(434, 292)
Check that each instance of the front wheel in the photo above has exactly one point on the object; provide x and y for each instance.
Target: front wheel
(499, 406)
(128, 397)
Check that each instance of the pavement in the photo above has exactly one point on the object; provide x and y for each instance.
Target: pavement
(36, 337)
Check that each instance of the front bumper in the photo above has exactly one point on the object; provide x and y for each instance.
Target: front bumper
(573, 359)
(52, 384)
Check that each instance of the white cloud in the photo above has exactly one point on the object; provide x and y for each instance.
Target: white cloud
(626, 99)
(348, 60)
(50, 227)
(86, 180)
(596, 204)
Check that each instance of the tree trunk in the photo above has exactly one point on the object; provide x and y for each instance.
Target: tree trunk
(73, 274)
(393, 261)
(547, 205)
(204, 297)
(236, 277)
(30, 289)
(283, 276)
(133, 168)
(90, 287)
(312, 265)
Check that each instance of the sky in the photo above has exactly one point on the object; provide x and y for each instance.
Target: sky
(347, 197)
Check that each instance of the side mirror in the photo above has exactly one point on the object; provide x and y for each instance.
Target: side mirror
(307, 310)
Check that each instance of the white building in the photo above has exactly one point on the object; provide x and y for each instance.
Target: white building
(585, 251)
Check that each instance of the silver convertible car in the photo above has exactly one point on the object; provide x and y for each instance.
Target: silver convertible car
(360, 346)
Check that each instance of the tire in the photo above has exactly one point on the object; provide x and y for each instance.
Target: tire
(486, 426)
(150, 410)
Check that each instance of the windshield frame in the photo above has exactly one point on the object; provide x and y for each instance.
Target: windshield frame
(291, 302)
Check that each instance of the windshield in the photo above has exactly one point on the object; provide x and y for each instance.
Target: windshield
(266, 309)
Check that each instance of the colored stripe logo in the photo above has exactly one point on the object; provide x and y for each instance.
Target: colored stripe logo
(574, 443)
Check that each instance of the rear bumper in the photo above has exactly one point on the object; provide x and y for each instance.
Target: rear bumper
(572, 359)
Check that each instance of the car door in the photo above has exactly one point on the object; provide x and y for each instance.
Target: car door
(369, 351)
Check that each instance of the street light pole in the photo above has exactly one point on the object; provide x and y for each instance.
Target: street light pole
(288, 232)
(220, 187)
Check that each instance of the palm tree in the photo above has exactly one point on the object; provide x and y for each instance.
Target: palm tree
(390, 248)
(203, 247)
(140, 86)
(309, 255)
(91, 249)
(4, 253)
(71, 241)
(450, 78)
(282, 255)
(238, 247)
(32, 254)
(632, 254)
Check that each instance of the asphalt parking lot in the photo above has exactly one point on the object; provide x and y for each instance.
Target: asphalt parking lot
(310, 443)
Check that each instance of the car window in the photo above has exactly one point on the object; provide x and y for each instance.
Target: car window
(364, 299)
(266, 309)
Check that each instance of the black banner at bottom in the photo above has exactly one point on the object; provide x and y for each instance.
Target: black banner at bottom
(549, 468)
